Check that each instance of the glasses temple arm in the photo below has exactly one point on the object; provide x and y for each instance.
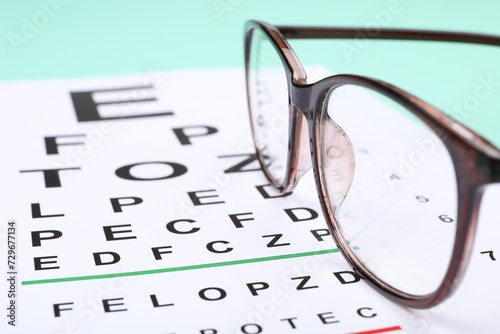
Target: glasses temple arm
(296, 32)
(472, 138)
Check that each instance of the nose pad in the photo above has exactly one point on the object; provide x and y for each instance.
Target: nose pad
(337, 162)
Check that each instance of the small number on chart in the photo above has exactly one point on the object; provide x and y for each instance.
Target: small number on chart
(445, 218)
(422, 198)
(490, 253)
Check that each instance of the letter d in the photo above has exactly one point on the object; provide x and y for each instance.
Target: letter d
(347, 280)
(115, 258)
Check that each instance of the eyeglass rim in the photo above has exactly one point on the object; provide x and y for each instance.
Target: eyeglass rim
(289, 58)
(297, 76)
(477, 145)
(471, 179)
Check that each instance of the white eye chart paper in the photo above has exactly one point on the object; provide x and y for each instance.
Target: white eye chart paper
(135, 204)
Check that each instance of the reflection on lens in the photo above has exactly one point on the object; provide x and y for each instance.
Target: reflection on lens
(268, 94)
(399, 214)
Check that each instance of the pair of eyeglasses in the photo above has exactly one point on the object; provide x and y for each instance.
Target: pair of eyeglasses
(399, 182)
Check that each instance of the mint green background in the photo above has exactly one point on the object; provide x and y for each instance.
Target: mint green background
(91, 37)
(95, 38)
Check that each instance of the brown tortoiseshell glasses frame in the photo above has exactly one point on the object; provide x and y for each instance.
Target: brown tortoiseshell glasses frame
(476, 161)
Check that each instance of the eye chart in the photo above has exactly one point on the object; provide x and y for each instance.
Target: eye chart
(135, 204)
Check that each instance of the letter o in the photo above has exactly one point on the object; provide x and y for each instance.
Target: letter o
(125, 171)
(255, 326)
(221, 294)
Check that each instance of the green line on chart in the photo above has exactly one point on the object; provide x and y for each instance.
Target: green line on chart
(183, 268)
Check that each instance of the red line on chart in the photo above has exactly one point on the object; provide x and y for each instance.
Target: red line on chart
(380, 330)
